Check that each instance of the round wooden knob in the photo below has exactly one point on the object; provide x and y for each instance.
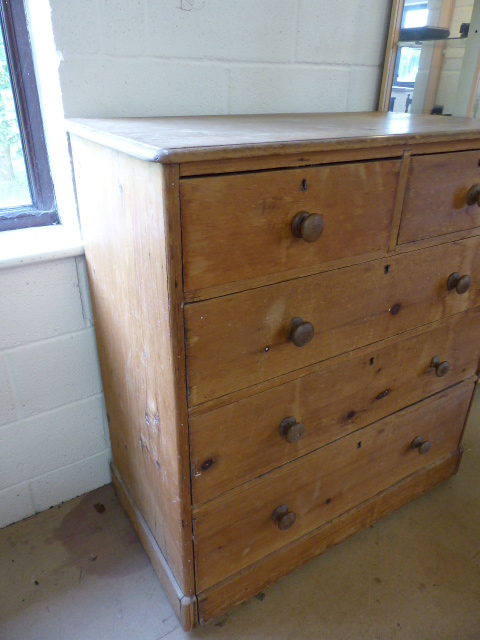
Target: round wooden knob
(441, 368)
(302, 332)
(308, 226)
(292, 430)
(283, 517)
(473, 195)
(422, 445)
(460, 283)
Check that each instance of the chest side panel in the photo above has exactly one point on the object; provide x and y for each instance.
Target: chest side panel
(129, 213)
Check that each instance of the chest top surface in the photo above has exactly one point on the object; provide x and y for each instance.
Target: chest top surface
(186, 139)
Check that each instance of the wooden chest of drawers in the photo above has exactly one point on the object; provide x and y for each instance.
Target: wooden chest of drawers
(287, 312)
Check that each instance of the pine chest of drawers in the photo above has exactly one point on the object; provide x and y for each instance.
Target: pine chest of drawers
(287, 311)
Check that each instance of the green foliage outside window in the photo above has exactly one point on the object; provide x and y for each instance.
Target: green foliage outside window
(14, 189)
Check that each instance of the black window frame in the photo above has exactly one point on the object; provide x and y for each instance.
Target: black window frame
(43, 210)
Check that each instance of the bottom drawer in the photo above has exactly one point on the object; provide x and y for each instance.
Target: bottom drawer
(237, 529)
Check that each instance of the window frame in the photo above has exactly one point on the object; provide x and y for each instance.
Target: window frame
(43, 210)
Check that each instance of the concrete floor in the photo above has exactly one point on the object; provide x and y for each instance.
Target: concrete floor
(78, 571)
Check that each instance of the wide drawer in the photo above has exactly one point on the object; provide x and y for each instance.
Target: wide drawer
(436, 195)
(243, 440)
(242, 339)
(238, 227)
(237, 529)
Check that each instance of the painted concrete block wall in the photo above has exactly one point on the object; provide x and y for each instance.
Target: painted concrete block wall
(53, 436)
(144, 58)
(193, 57)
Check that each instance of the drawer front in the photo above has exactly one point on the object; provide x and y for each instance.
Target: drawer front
(436, 195)
(237, 530)
(239, 340)
(238, 227)
(243, 440)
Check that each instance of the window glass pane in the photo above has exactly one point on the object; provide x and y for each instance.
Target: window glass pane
(408, 66)
(416, 18)
(14, 189)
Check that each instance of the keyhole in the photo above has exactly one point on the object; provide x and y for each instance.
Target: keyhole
(303, 186)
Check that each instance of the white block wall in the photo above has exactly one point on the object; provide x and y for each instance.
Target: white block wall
(144, 58)
(53, 435)
(193, 57)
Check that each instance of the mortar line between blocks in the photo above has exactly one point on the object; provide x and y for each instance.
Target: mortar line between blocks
(209, 61)
(33, 416)
(83, 292)
(71, 464)
(295, 35)
(99, 28)
(60, 336)
(32, 496)
(22, 483)
(13, 388)
(228, 97)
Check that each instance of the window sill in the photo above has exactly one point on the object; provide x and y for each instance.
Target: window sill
(26, 246)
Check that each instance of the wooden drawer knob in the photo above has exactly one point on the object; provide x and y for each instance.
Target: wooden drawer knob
(473, 195)
(441, 368)
(283, 517)
(460, 283)
(292, 430)
(422, 445)
(308, 226)
(302, 332)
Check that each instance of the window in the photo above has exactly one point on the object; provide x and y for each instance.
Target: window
(408, 59)
(27, 197)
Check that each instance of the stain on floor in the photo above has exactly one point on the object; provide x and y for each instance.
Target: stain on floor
(78, 572)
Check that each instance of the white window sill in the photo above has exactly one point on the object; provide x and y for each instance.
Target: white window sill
(35, 245)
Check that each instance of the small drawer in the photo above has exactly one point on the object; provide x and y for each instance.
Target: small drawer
(238, 227)
(238, 528)
(440, 195)
(239, 340)
(241, 441)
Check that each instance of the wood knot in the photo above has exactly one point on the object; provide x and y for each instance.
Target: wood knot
(207, 464)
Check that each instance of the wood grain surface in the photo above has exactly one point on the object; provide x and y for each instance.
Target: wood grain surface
(239, 340)
(240, 226)
(186, 139)
(131, 229)
(185, 607)
(247, 583)
(237, 529)
(197, 282)
(435, 195)
(241, 441)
